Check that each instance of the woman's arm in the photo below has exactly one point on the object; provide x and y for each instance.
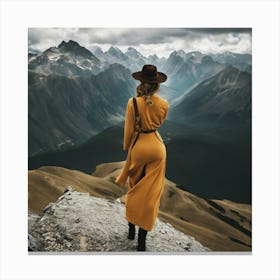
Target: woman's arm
(128, 125)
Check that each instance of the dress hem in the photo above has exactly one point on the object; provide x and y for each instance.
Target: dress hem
(131, 220)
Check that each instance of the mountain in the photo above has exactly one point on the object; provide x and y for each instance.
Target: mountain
(212, 167)
(104, 149)
(112, 56)
(80, 157)
(75, 49)
(134, 54)
(232, 58)
(170, 94)
(68, 59)
(30, 55)
(131, 58)
(173, 63)
(218, 162)
(155, 60)
(186, 70)
(32, 51)
(242, 62)
(93, 217)
(220, 225)
(225, 97)
(116, 53)
(106, 146)
(97, 51)
(64, 111)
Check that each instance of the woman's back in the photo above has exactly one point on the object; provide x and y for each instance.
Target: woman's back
(152, 116)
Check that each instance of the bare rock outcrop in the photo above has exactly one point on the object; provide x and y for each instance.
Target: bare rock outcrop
(78, 222)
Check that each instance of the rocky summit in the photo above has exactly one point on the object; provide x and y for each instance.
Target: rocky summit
(78, 222)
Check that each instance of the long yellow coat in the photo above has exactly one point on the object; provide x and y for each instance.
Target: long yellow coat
(145, 165)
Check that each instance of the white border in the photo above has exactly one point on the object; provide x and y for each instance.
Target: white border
(262, 16)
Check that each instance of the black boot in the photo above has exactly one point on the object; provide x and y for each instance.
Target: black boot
(131, 231)
(142, 233)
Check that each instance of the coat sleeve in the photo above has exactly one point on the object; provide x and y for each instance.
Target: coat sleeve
(128, 125)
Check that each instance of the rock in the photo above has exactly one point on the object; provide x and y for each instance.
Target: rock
(33, 244)
(84, 223)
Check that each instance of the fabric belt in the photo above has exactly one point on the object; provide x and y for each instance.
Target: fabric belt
(147, 131)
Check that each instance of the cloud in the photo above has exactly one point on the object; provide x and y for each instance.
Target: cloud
(158, 40)
(221, 30)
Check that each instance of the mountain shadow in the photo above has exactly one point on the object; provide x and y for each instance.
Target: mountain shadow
(205, 164)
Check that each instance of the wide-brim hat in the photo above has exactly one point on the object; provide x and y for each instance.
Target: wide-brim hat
(149, 74)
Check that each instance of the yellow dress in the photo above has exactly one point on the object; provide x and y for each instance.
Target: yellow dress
(145, 165)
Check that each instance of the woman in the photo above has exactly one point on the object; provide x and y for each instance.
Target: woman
(146, 159)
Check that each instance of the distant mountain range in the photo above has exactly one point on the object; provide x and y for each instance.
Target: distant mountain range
(74, 88)
(76, 106)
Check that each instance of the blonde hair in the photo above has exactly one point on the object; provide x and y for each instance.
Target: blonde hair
(147, 89)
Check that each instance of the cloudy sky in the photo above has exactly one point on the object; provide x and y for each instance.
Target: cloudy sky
(161, 41)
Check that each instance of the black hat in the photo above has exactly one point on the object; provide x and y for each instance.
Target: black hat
(149, 74)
